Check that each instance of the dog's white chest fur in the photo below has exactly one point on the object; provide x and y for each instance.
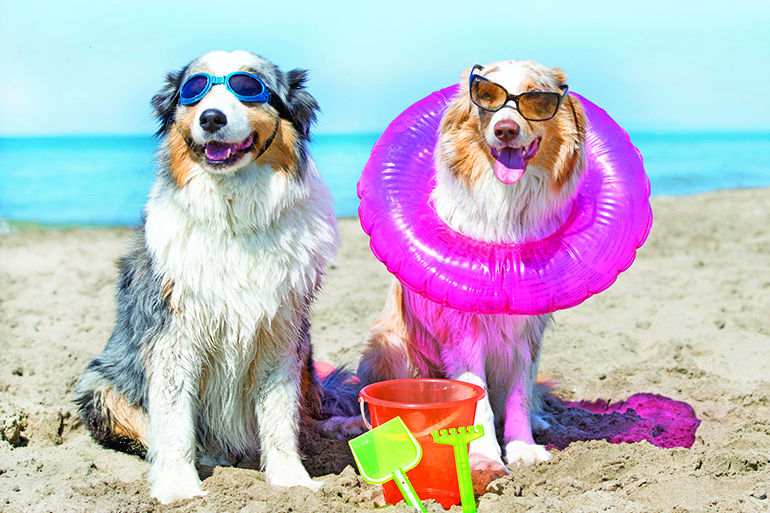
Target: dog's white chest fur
(241, 257)
(498, 213)
(228, 242)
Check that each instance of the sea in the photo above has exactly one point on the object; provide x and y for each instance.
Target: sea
(104, 180)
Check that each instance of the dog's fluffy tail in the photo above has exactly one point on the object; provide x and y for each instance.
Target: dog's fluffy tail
(340, 393)
(339, 407)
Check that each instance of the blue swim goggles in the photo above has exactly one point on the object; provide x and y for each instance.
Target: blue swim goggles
(245, 86)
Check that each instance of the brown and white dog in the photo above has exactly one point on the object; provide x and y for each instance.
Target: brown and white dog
(500, 178)
(210, 359)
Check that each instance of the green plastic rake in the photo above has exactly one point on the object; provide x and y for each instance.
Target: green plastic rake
(460, 438)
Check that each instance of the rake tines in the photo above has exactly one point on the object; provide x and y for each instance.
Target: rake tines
(458, 436)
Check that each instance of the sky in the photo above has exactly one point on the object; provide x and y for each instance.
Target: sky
(90, 67)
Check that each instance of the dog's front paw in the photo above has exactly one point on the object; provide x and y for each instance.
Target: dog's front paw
(173, 484)
(289, 472)
(480, 461)
(522, 453)
(288, 480)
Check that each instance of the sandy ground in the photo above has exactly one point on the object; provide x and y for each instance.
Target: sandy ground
(690, 320)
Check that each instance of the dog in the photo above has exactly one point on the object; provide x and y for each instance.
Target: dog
(502, 179)
(210, 358)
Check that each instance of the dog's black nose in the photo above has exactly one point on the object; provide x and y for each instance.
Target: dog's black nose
(506, 130)
(212, 120)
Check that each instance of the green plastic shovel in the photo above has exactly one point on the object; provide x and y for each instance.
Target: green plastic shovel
(460, 438)
(388, 452)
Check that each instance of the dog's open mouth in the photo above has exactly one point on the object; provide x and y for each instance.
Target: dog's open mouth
(222, 154)
(512, 162)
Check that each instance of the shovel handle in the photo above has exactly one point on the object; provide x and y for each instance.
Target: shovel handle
(410, 496)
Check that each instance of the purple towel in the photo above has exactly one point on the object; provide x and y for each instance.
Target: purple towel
(661, 421)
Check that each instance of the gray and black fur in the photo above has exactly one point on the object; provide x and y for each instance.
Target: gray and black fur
(142, 313)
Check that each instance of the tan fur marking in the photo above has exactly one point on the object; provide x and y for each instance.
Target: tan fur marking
(166, 288)
(281, 155)
(562, 147)
(462, 147)
(126, 420)
(560, 75)
(182, 157)
(310, 395)
(168, 294)
(393, 314)
(575, 159)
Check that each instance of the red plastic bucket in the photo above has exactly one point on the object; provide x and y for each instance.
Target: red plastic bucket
(425, 405)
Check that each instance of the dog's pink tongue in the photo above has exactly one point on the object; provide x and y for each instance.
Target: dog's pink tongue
(510, 165)
(215, 151)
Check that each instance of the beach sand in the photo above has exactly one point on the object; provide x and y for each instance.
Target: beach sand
(690, 320)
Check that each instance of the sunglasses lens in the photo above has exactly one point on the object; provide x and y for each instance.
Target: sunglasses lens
(246, 85)
(194, 86)
(539, 106)
(487, 95)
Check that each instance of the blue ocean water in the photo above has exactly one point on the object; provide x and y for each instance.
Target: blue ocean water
(105, 180)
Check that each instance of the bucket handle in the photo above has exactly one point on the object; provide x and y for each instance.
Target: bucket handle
(361, 402)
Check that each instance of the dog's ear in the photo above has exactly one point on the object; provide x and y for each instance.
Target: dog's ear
(302, 106)
(572, 158)
(165, 101)
(461, 108)
(572, 121)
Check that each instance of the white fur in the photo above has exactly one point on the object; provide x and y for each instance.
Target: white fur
(245, 253)
(172, 378)
(498, 213)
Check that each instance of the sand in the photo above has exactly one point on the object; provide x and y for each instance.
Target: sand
(690, 321)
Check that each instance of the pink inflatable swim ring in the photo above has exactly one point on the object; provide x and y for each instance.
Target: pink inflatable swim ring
(611, 218)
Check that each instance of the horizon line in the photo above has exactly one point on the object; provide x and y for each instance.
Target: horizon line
(374, 133)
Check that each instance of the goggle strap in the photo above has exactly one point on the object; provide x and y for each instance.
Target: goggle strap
(283, 112)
